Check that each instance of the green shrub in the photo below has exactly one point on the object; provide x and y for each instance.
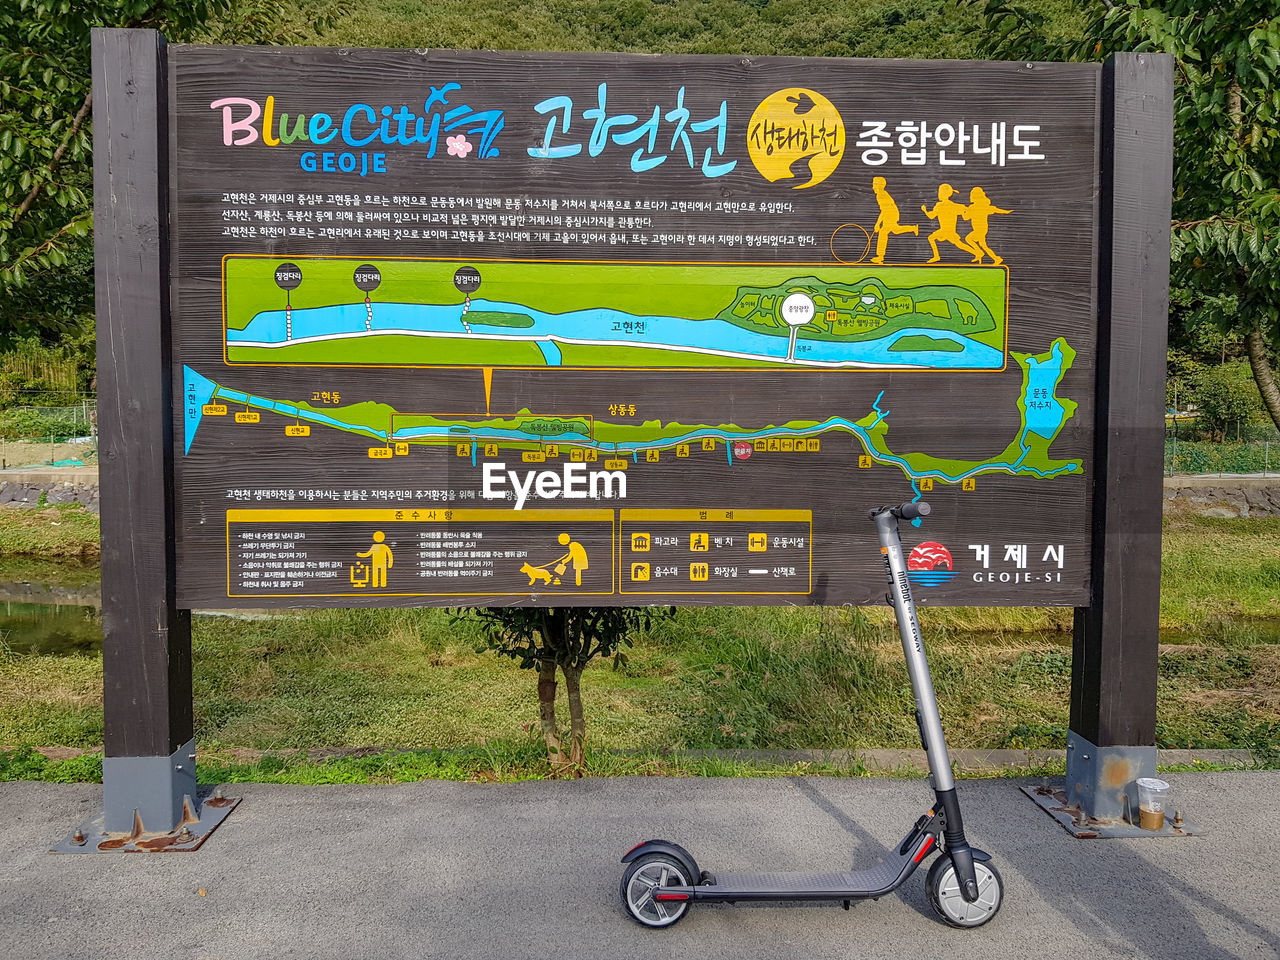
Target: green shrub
(43, 423)
(1205, 457)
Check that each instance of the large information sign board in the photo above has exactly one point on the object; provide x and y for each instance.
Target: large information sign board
(491, 328)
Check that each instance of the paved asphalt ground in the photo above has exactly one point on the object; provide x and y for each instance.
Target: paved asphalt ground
(531, 870)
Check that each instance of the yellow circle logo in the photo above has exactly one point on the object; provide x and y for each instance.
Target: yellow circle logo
(796, 135)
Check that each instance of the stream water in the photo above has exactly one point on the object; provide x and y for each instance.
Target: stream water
(50, 608)
(50, 629)
(604, 325)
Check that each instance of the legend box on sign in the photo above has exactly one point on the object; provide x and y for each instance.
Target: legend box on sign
(420, 551)
(764, 552)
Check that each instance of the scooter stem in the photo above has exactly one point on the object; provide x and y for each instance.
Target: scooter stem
(930, 722)
(927, 717)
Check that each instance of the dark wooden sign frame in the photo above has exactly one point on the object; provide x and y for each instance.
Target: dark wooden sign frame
(149, 766)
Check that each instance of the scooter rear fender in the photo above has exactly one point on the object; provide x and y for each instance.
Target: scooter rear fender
(673, 850)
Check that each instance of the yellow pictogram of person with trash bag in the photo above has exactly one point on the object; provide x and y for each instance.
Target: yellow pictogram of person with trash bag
(373, 573)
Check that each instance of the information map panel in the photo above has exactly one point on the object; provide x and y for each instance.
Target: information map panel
(500, 328)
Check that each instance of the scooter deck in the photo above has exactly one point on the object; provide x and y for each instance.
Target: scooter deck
(883, 878)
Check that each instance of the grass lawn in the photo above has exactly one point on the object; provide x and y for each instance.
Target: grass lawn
(64, 532)
(763, 678)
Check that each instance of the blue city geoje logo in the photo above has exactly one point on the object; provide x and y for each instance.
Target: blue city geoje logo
(359, 126)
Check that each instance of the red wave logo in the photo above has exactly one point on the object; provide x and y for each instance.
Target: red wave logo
(930, 556)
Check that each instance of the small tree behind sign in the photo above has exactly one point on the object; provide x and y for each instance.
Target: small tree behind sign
(568, 638)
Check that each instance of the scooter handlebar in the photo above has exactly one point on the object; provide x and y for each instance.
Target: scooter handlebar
(909, 511)
(905, 511)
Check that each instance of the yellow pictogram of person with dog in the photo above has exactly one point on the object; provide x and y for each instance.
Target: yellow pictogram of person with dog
(549, 573)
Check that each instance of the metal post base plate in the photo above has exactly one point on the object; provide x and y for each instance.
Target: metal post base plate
(1053, 801)
(198, 822)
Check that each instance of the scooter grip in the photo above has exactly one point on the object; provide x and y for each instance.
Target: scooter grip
(910, 511)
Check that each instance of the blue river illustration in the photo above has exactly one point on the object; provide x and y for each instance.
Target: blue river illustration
(199, 390)
(1045, 414)
(605, 325)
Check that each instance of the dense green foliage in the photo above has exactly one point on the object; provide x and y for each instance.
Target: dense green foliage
(45, 149)
(48, 375)
(56, 307)
(46, 185)
(1202, 457)
(565, 636)
(1226, 203)
(1225, 398)
(843, 28)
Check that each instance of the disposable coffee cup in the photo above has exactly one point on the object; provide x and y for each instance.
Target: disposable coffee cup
(1153, 800)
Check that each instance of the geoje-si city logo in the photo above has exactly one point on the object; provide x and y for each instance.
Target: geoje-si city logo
(929, 564)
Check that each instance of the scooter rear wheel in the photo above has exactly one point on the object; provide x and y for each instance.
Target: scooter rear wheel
(643, 879)
(949, 903)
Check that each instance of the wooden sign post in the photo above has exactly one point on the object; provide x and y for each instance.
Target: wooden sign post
(403, 328)
(148, 748)
(1114, 655)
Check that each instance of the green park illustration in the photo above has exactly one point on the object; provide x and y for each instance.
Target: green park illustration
(1042, 414)
(342, 311)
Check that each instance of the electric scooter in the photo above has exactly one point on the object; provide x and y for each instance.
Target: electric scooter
(662, 879)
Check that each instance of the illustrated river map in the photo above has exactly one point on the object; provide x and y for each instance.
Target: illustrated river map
(484, 328)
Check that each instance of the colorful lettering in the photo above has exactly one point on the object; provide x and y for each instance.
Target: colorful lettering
(625, 129)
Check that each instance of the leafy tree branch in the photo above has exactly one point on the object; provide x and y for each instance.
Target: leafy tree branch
(1226, 201)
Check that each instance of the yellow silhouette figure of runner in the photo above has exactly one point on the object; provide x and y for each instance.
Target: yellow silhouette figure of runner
(576, 558)
(380, 559)
(946, 211)
(887, 223)
(980, 208)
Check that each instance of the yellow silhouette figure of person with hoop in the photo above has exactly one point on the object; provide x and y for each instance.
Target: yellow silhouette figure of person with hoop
(947, 212)
(380, 559)
(887, 223)
(980, 208)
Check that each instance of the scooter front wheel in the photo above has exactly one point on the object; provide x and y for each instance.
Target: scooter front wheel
(949, 902)
(643, 882)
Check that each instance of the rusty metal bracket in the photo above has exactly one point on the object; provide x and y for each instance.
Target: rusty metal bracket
(1054, 802)
(1100, 778)
(199, 820)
